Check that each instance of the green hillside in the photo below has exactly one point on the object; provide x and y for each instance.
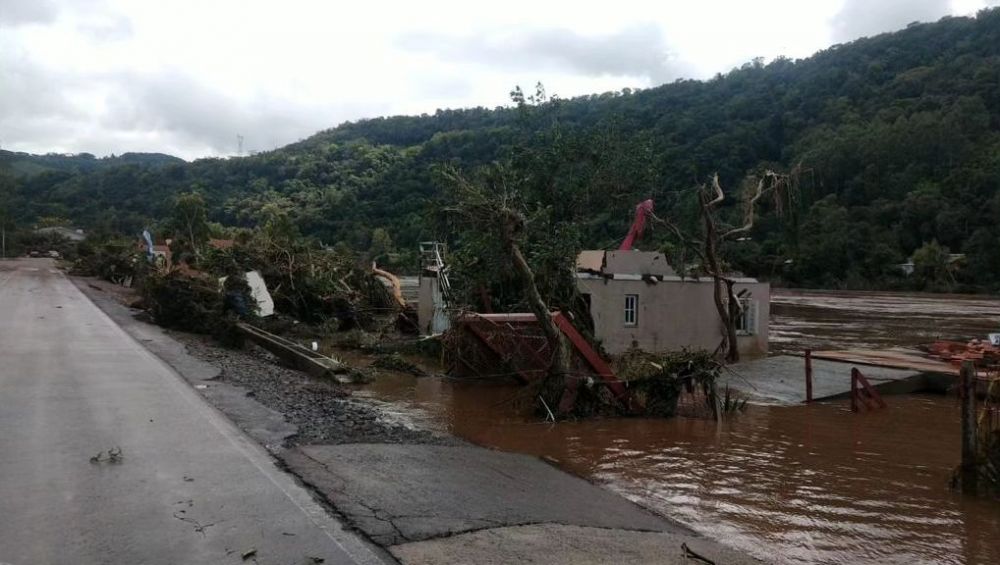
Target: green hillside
(898, 136)
(26, 164)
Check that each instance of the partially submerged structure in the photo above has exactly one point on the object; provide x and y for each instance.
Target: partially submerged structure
(432, 312)
(637, 299)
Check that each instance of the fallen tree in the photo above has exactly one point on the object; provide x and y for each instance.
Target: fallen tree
(494, 206)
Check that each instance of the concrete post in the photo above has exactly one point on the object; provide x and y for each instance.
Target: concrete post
(970, 473)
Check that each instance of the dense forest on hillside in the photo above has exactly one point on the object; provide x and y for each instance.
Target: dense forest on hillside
(26, 164)
(898, 137)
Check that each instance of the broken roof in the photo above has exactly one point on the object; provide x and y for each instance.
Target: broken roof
(590, 261)
(624, 263)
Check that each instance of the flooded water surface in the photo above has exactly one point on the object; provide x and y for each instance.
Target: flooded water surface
(841, 320)
(801, 484)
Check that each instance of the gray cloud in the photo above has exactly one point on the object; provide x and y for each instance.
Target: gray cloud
(167, 111)
(177, 105)
(639, 50)
(861, 18)
(19, 12)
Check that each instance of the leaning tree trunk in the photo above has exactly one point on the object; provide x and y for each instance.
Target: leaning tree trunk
(554, 383)
(712, 258)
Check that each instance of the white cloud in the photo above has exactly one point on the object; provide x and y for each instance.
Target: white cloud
(187, 76)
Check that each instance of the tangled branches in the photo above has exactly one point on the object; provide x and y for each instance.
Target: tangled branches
(312, 284)
(657, 381)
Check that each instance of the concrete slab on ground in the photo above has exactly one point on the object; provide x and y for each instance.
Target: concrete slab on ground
(781, 379)
(404, 493)
(559, 544)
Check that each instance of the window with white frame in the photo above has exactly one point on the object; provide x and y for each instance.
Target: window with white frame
(631, 309)
(746, 318)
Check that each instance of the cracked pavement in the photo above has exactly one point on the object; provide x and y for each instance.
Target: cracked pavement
(461, 503)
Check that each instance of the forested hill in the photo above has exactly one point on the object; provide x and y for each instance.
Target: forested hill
(898, 135)
(26, 164)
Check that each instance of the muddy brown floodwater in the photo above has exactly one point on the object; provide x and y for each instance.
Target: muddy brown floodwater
(801, 484)
(840, 320)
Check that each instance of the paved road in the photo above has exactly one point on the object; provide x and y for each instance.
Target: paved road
(190, 487)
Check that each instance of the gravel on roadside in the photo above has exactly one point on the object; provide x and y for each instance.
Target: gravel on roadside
(323, 412)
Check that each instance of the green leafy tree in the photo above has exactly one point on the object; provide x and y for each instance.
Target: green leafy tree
(190, 224)
(932, 266)
(8, 186)
(381, 244)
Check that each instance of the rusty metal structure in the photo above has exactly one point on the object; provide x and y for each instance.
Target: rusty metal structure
(514, 345)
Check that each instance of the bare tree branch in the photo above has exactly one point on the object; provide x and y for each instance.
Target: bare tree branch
(748, 213)
(717, 188)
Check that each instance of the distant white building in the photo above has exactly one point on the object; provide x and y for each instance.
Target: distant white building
(953, 260)
(71, 234)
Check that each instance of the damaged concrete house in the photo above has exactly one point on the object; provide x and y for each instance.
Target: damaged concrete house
(637, 299)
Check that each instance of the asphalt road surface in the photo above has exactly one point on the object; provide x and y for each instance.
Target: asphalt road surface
(189, 487)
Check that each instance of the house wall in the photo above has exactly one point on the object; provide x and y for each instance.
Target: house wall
(671, 315)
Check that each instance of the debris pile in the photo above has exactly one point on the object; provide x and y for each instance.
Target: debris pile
(114, 260)
(981, 352)
(323, 288)
(515, 346)
(185, 300)
(657, 382)
(314, 285)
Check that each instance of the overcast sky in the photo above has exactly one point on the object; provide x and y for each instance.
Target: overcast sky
(186, 76)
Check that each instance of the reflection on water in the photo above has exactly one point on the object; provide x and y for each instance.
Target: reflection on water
(804, 484)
